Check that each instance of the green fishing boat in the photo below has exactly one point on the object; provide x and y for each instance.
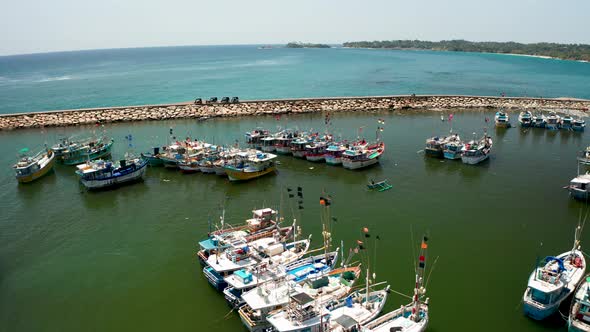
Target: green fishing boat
(94, 149)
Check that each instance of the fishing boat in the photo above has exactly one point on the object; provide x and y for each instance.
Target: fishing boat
(283, 142)
(262, 223)
(502, 120)
(316, 150)
(579, 187)
(554, 281)
(30, 168)
(584, 156)
(476, 151)
(241, 255)
(101, 174)
(189, 165)
(552, 121)
(91, 150)
(68, 144)
(251, 166)
(539, 121)
(342, 315)
(242, 281)
(579, 124)
(254, 137)
(172, 155)
(525, 119)
(452, 147)
(434, 146)
(298, 145)
(261, 301)
(333, 155)
(579, 315)
(360, 156)
(153, 158)
(412, 317)
(268, 143)
(567, 122)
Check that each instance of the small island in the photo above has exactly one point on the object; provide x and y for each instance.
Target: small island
(306, 45)
(578, 52)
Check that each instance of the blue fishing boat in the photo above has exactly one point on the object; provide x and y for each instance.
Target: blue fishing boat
(539, 121)
(102, 174)
(567, 122)
(153, 158)
(552, 121)
(453, 147)
(91, 150)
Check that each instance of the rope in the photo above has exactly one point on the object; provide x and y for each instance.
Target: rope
(402, 294)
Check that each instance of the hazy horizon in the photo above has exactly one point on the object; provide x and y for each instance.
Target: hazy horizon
(68, 25)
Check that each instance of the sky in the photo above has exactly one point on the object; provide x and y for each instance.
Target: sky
(32, 26)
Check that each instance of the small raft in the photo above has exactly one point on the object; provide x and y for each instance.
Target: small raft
(381, 185)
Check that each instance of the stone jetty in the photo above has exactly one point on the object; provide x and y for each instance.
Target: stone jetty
(190, 110)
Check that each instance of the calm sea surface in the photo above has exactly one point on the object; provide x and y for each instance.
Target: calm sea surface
(124, 260)
(30, 83)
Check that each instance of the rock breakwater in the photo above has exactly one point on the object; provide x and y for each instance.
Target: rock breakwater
(284, 106)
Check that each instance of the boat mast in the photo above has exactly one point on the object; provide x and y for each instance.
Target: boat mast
(419, 290)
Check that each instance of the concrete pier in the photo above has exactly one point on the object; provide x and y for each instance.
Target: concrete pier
(285, 106)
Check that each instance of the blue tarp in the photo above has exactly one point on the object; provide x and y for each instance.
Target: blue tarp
(558, 260)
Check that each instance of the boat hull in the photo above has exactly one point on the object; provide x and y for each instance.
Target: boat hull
(551, 126)
(285, 150)
(358, 164)
(330, 160)
(453, 155)
(219, 170)
(38, 174)
(188, 169)
(239, 175)
(538, 313)
(503, 125)
(315, 157)
(577, 128)
(474, 160)
(298, 154)
(207, 169)
(153, 160)
(80, 159)
(266, 148)
(134, 176)
(525, 124)
(436, 153)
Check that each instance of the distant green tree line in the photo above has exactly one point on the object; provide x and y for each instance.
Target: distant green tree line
(561, 51)
(306, 45)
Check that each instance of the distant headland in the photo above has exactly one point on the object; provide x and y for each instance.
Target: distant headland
(306, 45)
(578, 52)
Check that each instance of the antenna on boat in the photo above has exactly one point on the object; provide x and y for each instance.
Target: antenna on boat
(419, 290)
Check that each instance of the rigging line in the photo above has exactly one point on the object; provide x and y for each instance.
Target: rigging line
(413, 249)
(431, 270)
(399, 293)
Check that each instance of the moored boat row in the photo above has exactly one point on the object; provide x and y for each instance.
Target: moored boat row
(452, 147)
(276, 283)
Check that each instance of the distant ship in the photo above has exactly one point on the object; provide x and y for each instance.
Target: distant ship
(265, 47)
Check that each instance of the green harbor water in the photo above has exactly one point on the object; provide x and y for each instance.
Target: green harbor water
(124, 260)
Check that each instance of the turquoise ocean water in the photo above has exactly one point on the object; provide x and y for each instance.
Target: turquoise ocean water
(38, 82)
(124, 260)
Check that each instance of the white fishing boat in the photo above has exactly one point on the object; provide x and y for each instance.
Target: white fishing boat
(261, 301)
(361, 156)
(453, 147)
(502, 120)
(579, 314)
(552, 121)
(268, 143)
(579, 187)
(242, 255)
(567, 122)
(476, 151)
(283, 141)
(315, 151)
(308, 268)
(554, 281)
(412, 317)
(584, 156)
(101, 174)
(525, 119)
(254, 137)
(298, 145)
(579, 124)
